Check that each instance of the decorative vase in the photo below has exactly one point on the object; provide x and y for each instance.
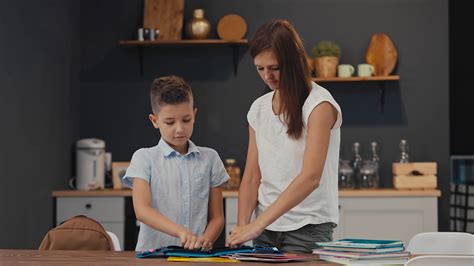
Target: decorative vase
(198, 27)
(326, 66)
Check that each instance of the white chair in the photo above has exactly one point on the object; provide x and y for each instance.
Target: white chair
(441, 260)
(115, 241)
(442, 243)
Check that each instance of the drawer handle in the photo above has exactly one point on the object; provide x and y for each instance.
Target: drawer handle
(88, 206)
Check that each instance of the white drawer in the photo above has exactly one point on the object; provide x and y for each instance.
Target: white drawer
(231, 205)
(118, 229)
(102, 209)
(228, 227)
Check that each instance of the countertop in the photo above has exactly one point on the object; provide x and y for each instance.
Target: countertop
(235, 193)
(92, 257)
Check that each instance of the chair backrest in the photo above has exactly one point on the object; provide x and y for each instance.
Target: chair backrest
(441, 260)
(77, 233)
(115, 241)
(442, 243)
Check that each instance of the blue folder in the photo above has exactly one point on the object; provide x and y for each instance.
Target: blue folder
(177, 251)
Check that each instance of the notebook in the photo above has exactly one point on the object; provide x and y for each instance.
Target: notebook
(358, 255)
(208, 259)
(361, 243)
(348, 261)
(270, 257)
(178, 251)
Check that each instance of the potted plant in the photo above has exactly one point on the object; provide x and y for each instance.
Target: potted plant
(326, 59)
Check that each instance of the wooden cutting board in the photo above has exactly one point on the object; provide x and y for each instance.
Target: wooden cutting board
(382, 54)
(231, 27)
(165, 15)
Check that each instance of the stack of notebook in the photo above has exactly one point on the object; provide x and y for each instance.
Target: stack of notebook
(363, 251)
(243, 253)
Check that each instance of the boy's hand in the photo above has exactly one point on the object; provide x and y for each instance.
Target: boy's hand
(204, 243)
(188, 239)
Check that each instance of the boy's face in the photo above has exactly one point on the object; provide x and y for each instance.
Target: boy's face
(175, 122)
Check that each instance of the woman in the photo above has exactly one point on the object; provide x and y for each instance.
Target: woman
(290, 176)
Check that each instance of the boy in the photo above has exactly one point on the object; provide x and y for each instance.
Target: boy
(176, 194)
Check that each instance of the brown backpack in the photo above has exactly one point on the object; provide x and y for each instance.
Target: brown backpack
(77, 233)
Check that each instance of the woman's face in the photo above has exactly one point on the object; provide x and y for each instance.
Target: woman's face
(268, 68)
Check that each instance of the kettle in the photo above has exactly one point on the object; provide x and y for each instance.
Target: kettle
(90, 164)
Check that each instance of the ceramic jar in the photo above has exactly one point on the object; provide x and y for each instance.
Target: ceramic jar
(198, 27)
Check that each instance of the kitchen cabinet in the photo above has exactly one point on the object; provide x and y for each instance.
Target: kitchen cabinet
(380, 213)
(114, 210)
(235, 44)
(387, 217)
(380, 79)
(231, 204)
(109, 211)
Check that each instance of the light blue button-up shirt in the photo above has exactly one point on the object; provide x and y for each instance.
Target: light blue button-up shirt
(179, 187)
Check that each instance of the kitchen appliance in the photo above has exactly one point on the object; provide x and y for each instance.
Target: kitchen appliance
(90, 164)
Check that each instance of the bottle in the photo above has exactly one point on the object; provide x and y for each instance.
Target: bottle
(198, 27)
(356, 160)
(368, 176)
(376, 160)
(234, 173)
(375, 147)
(346, 175)
(404, 157)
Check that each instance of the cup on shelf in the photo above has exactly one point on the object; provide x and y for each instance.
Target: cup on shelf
(148, 34)
(345, 70)
(365, 70)
(141, 36)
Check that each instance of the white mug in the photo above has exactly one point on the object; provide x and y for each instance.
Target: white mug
(365, 70)
(345, 70)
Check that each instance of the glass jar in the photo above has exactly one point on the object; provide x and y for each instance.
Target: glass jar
(234, 173)
(368, 177)
(346, 175)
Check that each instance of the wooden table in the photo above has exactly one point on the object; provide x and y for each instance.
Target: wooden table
(67, 257)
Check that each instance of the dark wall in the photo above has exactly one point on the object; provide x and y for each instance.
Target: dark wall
(40, 92)
(461, 92)
(115, 101)
(39, 112)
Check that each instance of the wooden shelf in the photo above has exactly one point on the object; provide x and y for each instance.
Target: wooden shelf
(380, 79)
(354, 79)
(181, 42)
(141, 44)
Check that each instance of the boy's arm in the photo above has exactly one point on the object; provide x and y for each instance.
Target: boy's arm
(215, 218)
(145, 213)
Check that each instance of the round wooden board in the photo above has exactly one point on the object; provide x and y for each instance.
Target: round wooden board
(231, 27)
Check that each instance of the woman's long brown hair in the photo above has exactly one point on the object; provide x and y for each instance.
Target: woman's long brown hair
(281, 38)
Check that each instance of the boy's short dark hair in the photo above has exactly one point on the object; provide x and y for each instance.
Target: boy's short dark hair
(169, 90)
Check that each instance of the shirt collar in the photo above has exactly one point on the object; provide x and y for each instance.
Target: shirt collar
(168, 151)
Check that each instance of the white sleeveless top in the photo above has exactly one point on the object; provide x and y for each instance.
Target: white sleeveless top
(281, 158)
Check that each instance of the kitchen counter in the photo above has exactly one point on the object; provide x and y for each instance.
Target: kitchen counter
(362, 213)
(235, 193)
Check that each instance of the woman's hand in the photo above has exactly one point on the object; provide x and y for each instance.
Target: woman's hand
(244, 233)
